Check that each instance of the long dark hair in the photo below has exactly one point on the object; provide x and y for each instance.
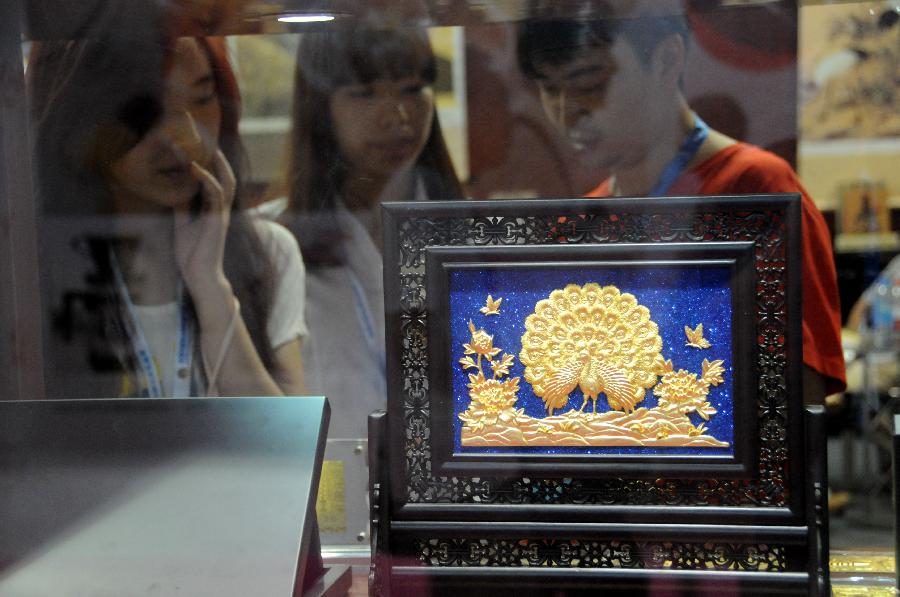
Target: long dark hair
(92, 101)
(351, 54)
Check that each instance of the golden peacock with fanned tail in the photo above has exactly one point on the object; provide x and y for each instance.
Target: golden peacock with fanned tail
(595, 338)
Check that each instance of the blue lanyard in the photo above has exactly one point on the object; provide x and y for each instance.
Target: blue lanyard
(675, 168)
(367, 323)
(364, 315)
(184, 347)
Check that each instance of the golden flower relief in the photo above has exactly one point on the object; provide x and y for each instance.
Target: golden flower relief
(482, 343)
(492, 399)
(683, 392)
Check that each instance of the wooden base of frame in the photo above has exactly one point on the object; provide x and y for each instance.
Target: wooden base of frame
(460, 556)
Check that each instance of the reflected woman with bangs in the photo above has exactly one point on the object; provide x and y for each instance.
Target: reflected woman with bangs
(365, 131)
(139, 164)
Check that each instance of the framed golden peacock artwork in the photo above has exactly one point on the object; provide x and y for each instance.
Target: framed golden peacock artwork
(615, 354)
(607, 385)
(647, 337)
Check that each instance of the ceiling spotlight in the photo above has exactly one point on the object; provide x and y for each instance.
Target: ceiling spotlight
(306, 18)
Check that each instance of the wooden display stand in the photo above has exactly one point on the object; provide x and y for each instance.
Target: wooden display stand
(689, 505)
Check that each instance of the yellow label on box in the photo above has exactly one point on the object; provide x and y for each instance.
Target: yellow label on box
(331, 505)
(862, 591)
(862, 562)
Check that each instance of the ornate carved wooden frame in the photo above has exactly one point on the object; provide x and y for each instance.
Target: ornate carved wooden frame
(702, 516)
(737, 257)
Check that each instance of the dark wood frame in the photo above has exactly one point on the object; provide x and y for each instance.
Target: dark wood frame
(441, 260)
(772, 222)
(463, 522)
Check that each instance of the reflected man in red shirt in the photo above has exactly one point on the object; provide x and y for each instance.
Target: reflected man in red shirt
(611, 84)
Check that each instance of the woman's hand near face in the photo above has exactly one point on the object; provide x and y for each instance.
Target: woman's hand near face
(200, 244)
(199, 252)
(200, 237)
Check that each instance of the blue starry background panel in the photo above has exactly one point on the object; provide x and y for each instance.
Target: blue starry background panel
(676, 296)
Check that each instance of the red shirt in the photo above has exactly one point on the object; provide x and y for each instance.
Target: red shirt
(743, 169)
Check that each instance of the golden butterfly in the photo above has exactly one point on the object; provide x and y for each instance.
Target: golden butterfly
(695, 337)
(491, 307)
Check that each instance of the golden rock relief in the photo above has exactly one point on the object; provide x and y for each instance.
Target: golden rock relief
(602, 341)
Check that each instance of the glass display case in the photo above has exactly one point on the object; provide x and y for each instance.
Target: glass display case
(191, 190)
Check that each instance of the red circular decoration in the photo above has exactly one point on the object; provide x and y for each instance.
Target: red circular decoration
(754, 38)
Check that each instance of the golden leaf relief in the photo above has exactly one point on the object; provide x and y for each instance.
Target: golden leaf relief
(713, 372)
(695, 337)
(706, 410)
(468, 363)
(501, 366)
(491, 307)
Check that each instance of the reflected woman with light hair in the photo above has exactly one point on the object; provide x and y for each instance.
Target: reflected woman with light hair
(189, 296)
